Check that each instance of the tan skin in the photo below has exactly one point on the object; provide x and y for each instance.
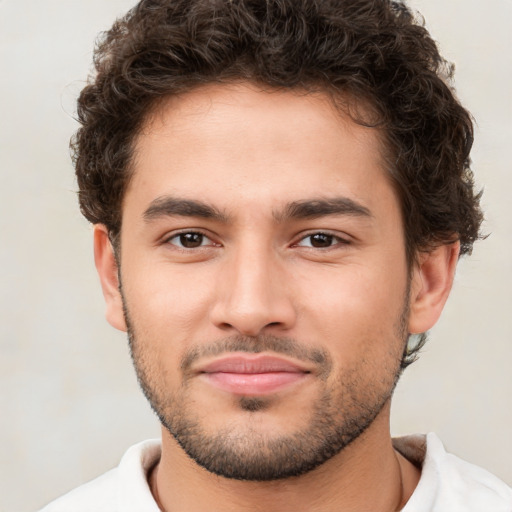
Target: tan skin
(250, 154)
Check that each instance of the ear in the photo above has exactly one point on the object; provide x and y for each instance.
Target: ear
(431, 284)
(106, 265)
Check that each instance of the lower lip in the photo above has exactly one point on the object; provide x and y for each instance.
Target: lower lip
(254, 383)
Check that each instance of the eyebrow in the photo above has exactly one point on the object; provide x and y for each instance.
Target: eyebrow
(168, 206)
(315, 208)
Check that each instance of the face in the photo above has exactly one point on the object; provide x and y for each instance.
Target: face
(264, 278)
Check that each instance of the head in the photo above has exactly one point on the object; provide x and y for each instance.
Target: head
(321, 161)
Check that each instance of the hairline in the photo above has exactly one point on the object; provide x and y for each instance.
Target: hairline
(344, 103)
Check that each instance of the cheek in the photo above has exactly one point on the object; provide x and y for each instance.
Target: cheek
(167, 306)
(173, 286)
(352, 310)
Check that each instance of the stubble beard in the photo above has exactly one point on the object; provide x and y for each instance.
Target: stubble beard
(342, 413)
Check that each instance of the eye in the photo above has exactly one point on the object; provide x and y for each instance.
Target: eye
(190, 240)
(321, 241)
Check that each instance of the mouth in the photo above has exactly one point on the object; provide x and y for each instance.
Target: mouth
(251, 375)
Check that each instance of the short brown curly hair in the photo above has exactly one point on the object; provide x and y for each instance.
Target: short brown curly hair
(374, 51)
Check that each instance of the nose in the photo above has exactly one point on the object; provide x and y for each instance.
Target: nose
(253, 294)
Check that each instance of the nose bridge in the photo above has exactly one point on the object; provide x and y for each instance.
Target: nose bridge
(251, 271)
(252, 294)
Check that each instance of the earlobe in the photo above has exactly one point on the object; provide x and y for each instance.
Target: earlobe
(431, 284)
(106, 265)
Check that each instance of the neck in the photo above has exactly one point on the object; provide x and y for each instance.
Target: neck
(367, 475)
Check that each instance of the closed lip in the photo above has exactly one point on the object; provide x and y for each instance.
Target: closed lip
(252, 375)
(249, 364)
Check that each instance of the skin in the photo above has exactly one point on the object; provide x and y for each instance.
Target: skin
(249, 154)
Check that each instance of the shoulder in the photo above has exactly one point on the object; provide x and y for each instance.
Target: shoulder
(449, 483)
(121, 489)
(98, 495)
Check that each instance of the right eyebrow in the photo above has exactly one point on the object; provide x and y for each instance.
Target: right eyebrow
(168, 206)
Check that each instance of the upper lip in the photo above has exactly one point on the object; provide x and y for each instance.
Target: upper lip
(250, 364)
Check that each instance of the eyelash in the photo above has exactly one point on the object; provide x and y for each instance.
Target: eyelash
(330, 236)
(333, 238)
(204, 236)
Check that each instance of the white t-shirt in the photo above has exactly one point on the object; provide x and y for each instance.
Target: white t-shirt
(447, 483)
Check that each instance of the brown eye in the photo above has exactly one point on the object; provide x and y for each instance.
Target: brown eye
(190, 240)
(321, 240)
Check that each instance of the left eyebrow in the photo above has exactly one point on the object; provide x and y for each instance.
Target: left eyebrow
(315, 208)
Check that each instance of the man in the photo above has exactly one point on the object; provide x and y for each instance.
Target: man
(281, 191)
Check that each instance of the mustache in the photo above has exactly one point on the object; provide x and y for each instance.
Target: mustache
(257, 344)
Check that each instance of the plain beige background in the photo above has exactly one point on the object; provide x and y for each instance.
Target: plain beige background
(69, 403)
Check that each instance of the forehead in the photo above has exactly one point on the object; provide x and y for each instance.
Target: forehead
(233, 143)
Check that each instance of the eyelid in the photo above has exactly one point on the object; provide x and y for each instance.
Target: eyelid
(174, 234)
(341, 239)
